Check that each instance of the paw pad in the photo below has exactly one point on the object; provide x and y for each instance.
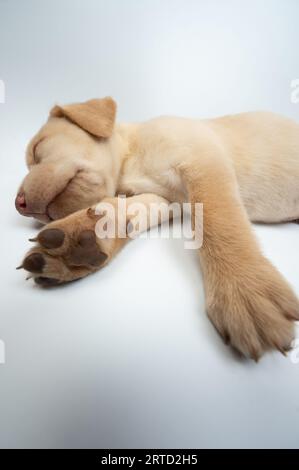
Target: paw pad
(51, 238)
(46, 281)
(34, 263)
(86, 252)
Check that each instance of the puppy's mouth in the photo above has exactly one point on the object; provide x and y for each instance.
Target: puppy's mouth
(44, 218)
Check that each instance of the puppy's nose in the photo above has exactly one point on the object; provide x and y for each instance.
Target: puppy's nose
(20, 203)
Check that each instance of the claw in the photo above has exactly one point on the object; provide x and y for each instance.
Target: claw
(92, 214)
(226, 338)
(255, 356)
(292, 316)
(280, 349)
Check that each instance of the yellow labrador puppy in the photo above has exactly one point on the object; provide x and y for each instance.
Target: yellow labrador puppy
(242, 168)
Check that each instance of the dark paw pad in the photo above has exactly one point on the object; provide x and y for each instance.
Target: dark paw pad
(46, 281)
(34, 263)
(87, 252)
(51, 238)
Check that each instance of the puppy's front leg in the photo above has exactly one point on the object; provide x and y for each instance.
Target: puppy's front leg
(248, 301)
(72, 248)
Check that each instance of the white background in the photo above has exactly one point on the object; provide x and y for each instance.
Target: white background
(127, 357)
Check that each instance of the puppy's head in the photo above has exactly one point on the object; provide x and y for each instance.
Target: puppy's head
(72, 161)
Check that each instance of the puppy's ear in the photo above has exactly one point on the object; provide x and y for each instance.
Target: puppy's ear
(94, 116)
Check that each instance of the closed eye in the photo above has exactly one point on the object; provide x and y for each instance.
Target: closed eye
(35, 157)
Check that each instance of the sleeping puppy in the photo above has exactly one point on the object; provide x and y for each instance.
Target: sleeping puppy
(242, 168)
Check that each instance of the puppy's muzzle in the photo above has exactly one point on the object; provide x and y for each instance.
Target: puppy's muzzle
(24, 208)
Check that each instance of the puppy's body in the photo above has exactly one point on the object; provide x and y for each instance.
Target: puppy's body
(243, 167)
(262, 147)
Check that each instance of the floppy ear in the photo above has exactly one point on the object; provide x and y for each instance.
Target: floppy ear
(94, 116)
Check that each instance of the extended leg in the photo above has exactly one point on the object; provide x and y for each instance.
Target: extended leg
(69, 248)
(248, 301)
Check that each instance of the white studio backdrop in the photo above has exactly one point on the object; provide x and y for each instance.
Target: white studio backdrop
(97, 363)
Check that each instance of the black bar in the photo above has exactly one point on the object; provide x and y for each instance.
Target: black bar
(138, 458)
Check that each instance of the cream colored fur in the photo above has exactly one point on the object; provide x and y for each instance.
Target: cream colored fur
(243, 168)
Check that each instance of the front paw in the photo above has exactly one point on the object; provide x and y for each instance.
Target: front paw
(68, 249)
(255, 311)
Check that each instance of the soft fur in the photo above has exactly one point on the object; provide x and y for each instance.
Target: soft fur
(242, 168)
